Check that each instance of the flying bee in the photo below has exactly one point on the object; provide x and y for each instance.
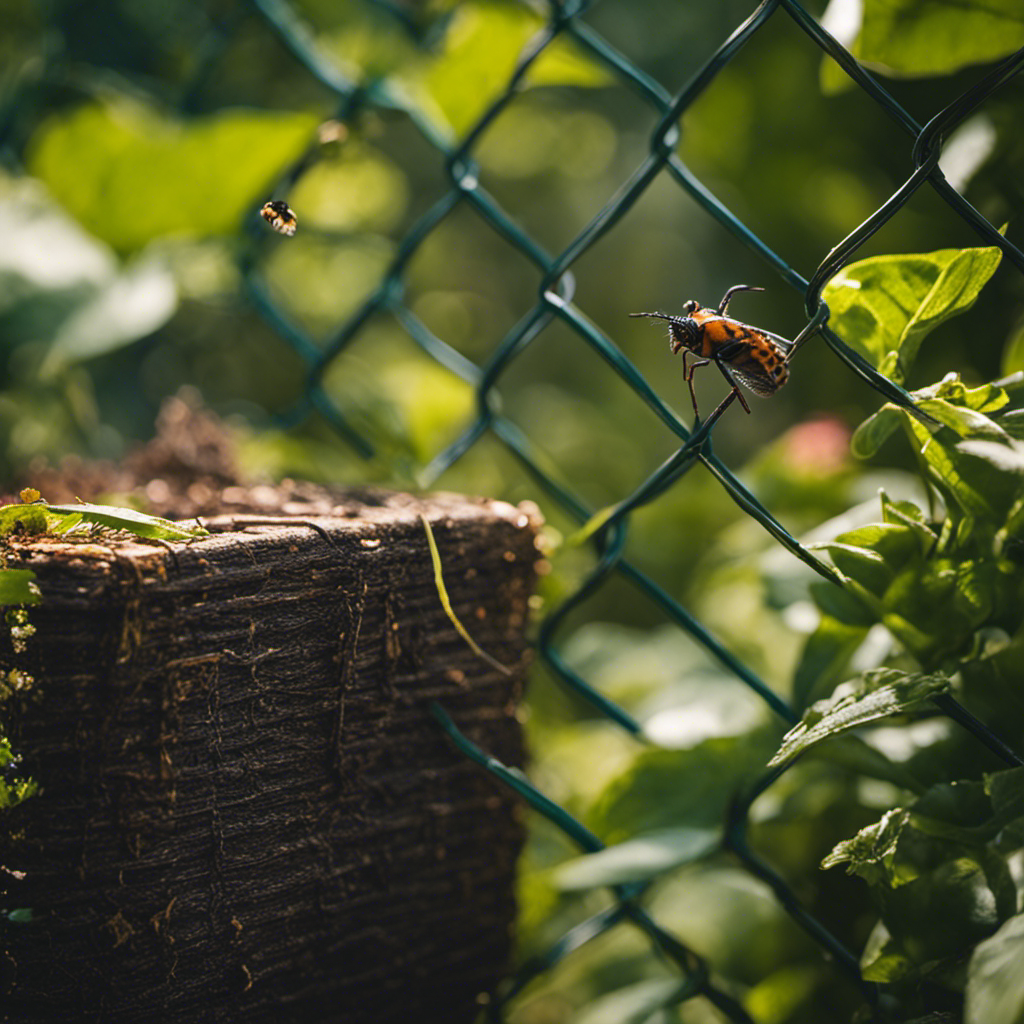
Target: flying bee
(746, 355)
(278, 214)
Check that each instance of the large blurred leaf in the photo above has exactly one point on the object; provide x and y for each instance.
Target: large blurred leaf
(995, 978)
(877, 694)
(639, 859)
(929, 37)
(482, 46)
(60, 285)
(886, 305)
(131, 174)
(679, 788)
(132, 305)
(634, 1004)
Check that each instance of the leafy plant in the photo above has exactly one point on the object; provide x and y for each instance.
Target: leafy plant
(946, 586)
(926, 630)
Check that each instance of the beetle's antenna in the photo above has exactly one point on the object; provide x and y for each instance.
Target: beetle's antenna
(724, 304)
(658, 316)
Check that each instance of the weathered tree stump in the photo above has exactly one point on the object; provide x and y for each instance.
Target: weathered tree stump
(247, 812)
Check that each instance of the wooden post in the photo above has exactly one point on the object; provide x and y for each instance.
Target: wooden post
(247, 813)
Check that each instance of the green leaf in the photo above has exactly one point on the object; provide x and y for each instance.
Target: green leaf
(870, 853)
(931, 37)
(959, 811)
(1007, 458)
(936, 606)
(974, 484)
(994, 993)
(907, 514)
(1006, 790)
(894, 544)
(943, 911)
(964, 421)
(639, 859)
(842, 605)
(671, 789)
(869, 437)
(862, 565)
(131, 174)
(17, 587)
(634, 1004)
(877, 694)
(844, 624)
(484, 43)
(886, 304)
(139, 523)
(883, 960)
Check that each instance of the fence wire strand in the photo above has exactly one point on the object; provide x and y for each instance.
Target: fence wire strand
(555, 304)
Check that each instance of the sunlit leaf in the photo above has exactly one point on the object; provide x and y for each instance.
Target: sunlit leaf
(871, 851)
(886, 304)
(966, 422)
(932, 37)
(875, 695)
(139, 523)
(974, 484)
(131, 174)
(639, 859)
(484, 42)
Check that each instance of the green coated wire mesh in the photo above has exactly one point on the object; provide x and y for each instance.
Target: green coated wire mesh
(555, 304)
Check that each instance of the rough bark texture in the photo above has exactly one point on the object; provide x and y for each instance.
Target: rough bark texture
(247, 813)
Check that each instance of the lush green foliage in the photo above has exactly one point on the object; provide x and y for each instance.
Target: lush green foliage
(931, 610)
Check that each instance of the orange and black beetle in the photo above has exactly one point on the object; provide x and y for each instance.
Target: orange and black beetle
(746, 355)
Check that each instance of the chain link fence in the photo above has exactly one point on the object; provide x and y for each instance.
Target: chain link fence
(555, 304)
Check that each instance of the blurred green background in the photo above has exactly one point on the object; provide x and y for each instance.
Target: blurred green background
(140, 137)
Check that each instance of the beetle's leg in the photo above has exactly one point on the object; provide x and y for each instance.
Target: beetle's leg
(724, 404)
(688, 374)
(724, 304)
(735, 385)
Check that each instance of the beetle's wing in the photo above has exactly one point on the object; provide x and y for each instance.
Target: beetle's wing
(784, 344)
(760, 383)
